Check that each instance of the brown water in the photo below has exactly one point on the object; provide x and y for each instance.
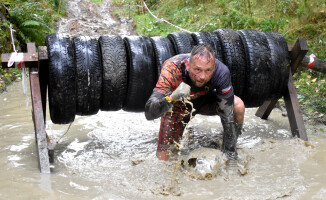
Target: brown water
(111, 155)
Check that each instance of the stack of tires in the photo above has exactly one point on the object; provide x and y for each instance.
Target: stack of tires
(112, 73)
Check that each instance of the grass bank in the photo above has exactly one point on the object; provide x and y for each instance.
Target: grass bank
(292, 18)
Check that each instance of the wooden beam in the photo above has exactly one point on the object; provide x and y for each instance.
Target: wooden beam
(298, 52)
(265, 110)
(30, 58)
(38, 119)
(319, 65)
(293, 111)
(43, 75)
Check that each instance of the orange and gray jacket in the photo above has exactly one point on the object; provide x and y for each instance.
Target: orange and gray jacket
(174, 72)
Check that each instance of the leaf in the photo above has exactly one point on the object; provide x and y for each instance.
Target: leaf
(30, 23)
(314, 80)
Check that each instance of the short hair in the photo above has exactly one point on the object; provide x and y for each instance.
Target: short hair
(203, 50)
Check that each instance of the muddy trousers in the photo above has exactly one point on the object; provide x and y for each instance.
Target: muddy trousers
(172, 126)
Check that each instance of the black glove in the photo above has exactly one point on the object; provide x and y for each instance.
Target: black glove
(229, 146)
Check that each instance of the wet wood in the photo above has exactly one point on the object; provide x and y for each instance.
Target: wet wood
(265, 110)
(293, 111)
(38, 119)
(319, 66)
(43, 75)
(30, 58)
(297, 53)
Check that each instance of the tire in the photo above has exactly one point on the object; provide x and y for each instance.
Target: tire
(141, 72)
(234, 57)
(88, 75)
(259, 67)
(280, 62)
(211, 39)
(163, 50)
(182, 42)
(62, 85)
(114, 62)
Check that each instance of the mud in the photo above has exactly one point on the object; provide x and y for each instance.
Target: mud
(85, 18)
(111, 155)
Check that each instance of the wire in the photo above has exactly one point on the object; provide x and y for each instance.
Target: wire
(64, 133)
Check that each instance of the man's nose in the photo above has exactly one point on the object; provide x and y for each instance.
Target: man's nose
(202, 76)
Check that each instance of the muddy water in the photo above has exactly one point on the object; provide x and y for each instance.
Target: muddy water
(111, 155)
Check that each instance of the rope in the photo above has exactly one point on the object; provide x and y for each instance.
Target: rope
(12, 37)
(64, 133)
(165, 20)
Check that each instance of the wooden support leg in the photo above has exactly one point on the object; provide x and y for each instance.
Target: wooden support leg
(265, 110)
(293, 110)
(40, 134)
(43, 75)
(297, 53)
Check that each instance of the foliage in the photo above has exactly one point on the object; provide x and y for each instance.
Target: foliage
(312, 93)
(32, 20)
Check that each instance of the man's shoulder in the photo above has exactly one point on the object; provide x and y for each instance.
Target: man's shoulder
(220, 68)
(180, 58)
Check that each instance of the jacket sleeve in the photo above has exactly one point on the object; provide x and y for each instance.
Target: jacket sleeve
(225, 106)
(225, 94)
(156, 105)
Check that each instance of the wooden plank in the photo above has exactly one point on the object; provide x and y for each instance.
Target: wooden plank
(297, 53)
(38, 119)
(293, 111)
(265, 110)
(29, 58)
(319, 66)
(43, 75)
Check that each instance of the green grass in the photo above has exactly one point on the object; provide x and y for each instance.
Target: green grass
(96, 1)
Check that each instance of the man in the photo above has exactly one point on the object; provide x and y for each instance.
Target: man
(207, 82)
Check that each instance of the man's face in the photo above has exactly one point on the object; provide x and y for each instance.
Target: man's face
(200, 70)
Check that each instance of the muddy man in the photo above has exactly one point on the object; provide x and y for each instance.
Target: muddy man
(207, 82)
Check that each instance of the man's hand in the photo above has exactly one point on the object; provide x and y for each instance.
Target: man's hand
(183, 90)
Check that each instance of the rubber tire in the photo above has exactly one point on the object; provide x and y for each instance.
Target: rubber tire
(259, 67)
(163, 50)
(280, 62)
(234, 57)
(141, 72)
(88, 75)
(62, 85)
(114, 62)
(211, 39)
(182, 42)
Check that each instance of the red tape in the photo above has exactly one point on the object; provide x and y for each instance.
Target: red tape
(311, 61)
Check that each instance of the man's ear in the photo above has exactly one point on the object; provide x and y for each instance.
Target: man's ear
(187, 65)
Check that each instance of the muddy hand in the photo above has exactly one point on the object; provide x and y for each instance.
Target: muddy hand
(182, 91)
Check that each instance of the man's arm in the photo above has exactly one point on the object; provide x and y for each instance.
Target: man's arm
(157, 105)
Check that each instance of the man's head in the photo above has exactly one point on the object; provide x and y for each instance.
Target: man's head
(201, 64)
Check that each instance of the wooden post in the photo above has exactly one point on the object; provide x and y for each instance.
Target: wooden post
(293, 110)
(38, 118)
(297, 53)
(31, 61)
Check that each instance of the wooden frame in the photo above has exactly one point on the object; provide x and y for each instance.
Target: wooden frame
(297, 53)
(38, 71)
